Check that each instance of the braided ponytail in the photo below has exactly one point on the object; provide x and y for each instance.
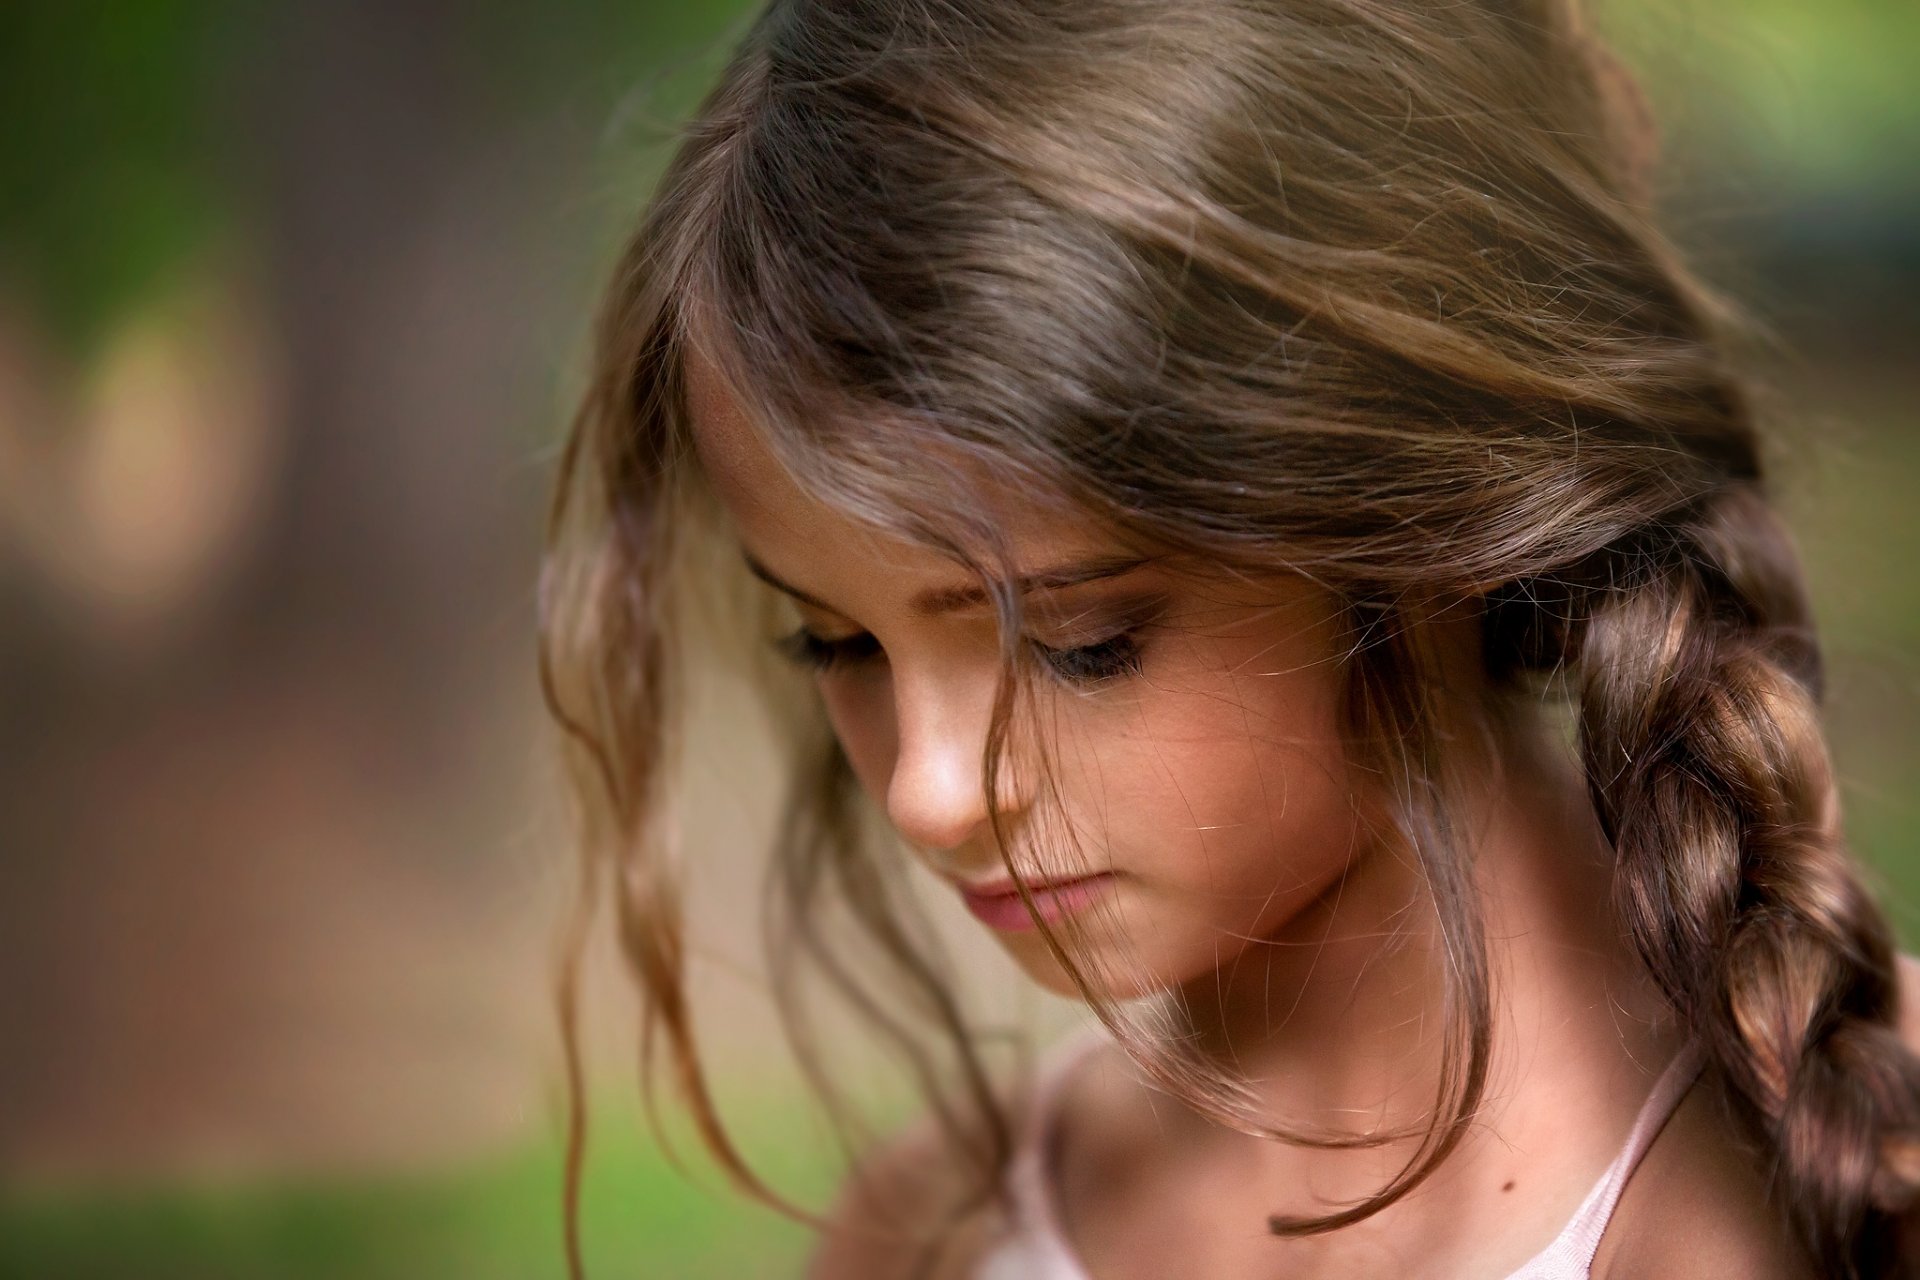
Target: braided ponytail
(1700, 732)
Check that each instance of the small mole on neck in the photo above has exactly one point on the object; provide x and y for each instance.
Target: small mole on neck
(1509, 1185)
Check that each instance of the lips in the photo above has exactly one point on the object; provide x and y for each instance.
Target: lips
(998, 903)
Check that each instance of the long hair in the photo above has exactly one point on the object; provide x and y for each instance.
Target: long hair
(1362, 289)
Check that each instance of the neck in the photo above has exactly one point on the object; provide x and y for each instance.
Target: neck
(1335, 1019)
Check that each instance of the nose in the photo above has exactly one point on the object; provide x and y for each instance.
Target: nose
(935, 797)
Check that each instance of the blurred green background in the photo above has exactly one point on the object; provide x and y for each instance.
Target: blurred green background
(291, 297)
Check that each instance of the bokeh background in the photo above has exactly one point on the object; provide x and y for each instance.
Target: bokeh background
(292, 298)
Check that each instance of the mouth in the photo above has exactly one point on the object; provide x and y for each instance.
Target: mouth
(998, 904)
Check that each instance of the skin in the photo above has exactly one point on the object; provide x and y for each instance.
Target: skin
(1210, 786)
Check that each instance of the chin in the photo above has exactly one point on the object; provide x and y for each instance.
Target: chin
(1106, 979)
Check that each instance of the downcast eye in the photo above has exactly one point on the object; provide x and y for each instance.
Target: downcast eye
(1081, 665)
(817, 653)
(1091, 664)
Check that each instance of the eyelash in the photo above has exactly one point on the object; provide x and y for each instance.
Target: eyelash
(1084, 665)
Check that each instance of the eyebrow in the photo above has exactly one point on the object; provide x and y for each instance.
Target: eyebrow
(939, 600)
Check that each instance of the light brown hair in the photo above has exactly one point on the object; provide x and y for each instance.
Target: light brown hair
(1364, 289)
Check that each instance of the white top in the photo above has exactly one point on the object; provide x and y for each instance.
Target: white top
(1036, 1248)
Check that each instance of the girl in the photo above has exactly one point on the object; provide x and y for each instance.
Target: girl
(1272, 524)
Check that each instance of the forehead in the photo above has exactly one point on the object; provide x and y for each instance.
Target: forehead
(733, 452)
(780, 520)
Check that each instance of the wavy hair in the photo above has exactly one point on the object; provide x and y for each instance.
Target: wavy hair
(1363, 289)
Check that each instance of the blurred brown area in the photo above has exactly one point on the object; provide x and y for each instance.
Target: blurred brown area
(274, 882)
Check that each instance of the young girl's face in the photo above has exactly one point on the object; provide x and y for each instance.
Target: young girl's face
(1200, 796)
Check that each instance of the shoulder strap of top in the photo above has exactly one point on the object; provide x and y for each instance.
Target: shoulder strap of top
(1570, 1255)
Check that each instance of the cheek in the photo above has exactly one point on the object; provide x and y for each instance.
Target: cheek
(1228, 797)
(1250, 810)
(1230, 813)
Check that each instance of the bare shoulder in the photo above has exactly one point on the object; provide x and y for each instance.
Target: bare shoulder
(1697, 1207)
(896, 1216)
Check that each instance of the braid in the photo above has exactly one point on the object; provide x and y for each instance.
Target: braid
(1701, 737)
